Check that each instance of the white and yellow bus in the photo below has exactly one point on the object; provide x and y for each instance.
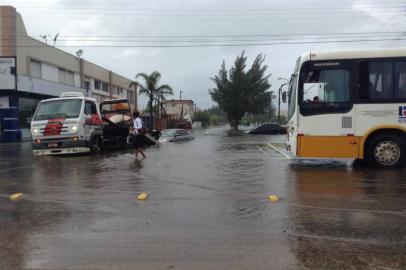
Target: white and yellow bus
(349, 104)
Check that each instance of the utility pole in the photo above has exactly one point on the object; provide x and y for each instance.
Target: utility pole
(180, 99)
(279, 104)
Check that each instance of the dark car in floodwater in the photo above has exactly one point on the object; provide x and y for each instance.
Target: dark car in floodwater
(268, 129)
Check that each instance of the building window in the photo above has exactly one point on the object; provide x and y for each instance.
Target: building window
(87, 85)
(62, 76)
(66, 77)
(130, 96)
(105, 87)
(35, 69)
(119, 90)
(70, 78)
(97, 84)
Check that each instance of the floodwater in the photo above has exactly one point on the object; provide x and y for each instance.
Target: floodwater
(207, 209)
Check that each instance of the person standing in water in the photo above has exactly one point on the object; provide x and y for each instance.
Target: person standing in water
(138, 133)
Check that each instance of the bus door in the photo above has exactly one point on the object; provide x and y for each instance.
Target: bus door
(326, 115)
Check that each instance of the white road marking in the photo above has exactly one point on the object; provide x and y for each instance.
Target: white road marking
(267, 154)
(279, 151)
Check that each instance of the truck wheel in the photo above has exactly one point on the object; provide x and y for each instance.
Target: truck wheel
(95, 145)
(386, 150)
(120, 142)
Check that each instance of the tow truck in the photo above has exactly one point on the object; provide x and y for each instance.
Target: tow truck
(73, 124)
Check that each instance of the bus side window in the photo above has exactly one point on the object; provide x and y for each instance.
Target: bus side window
(376, 80)
(363, 81)
(400, 80)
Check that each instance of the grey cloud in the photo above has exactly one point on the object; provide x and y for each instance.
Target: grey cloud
(189, 69)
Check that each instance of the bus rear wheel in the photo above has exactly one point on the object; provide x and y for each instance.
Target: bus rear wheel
(387, 151)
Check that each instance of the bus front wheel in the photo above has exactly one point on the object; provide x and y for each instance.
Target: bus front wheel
(386, 150)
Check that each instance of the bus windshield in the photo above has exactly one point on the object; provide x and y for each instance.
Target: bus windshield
(292, 96)
(66, 108)
(292, 90)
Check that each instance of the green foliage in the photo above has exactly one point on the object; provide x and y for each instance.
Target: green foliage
(212, 116)
(203, 117)
(151, 89)
(216, 119)
(240, 91)
(283, 120)
(215, 110)
(147, 109)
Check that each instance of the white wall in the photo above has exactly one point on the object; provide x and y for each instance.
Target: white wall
(34, 85)
(177, 109)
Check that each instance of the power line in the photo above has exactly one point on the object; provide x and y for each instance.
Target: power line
(115, 41)
(210, 45)
(127, 40)
(240, 38)
(213, 20)
(393, 26)
(299, 15)
(205, 9)
(379, 33)
(158, 12)
(191, 4)
(213, 3)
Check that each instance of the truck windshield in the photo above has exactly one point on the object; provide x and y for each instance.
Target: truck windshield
(68, 108)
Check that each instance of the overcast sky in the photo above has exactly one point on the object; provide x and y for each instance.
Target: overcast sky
(120, 28)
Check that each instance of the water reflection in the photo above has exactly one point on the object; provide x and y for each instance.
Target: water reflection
(208, 199)
(243, 174)
(343, 215)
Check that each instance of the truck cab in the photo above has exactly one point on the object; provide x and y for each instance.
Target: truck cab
(73, 124)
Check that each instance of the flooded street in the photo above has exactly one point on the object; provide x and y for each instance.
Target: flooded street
(207, 208)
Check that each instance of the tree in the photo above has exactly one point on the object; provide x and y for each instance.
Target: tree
(151, 89)
(203, 117)
(241, 91)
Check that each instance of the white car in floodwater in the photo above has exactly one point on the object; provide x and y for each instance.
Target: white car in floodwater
(175, 135)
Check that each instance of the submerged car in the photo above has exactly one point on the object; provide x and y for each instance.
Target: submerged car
(268, 129)
(175, 135)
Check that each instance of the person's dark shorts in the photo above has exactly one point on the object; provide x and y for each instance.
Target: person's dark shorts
(138, 141)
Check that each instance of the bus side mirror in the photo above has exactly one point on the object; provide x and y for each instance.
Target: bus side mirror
(284, 97)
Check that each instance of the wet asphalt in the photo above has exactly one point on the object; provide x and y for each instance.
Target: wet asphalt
(207, 209)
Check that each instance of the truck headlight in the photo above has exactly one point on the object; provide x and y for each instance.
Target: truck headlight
(74, 128)
(35, 131)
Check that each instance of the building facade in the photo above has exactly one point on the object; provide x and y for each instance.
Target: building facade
(180, 109)
(31, 70)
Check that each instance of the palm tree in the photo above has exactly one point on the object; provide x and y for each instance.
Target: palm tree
(151, 89)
